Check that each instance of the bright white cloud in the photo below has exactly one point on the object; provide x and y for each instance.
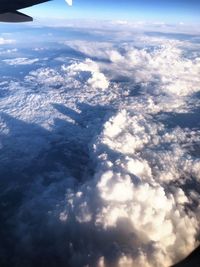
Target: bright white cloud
(139, 158)
(131, 191)
(165, 66)
(97, 80)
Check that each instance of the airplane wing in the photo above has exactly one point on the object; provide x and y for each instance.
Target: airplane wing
(9, 9)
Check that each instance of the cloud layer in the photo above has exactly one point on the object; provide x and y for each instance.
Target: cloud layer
(108, 141)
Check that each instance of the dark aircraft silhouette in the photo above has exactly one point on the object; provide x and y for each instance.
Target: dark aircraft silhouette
(9, 9)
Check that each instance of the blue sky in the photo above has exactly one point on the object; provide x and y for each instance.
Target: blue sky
(149, 10)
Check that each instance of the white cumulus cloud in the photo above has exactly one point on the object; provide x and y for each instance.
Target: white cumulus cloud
(20, 61)
(97, 80)
(4, 41)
